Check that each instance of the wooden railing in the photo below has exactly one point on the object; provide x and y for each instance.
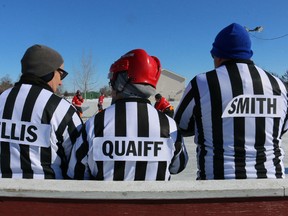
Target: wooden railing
(217, 197)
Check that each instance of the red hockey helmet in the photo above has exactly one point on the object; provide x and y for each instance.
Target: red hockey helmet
(139, 66)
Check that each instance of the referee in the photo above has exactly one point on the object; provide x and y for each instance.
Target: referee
(237, 113)
(130, 140)
(37, 127)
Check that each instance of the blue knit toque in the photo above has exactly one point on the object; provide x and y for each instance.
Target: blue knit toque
(232, 42)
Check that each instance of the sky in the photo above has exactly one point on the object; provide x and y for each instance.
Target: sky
(180, 33)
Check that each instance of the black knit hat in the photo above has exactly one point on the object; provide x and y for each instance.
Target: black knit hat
(40, 60)
(158, 96)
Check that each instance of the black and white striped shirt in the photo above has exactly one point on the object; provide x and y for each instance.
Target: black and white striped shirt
(130, 140)
(238, 113)
(37, 130)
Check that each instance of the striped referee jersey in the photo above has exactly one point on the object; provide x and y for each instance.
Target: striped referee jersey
(128, 141)
(238, 113)
(37, 131)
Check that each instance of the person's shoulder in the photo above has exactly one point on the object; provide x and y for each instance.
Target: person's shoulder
(90, 121)
(64, 101)
(165, 99)
(160, 113)
(6, 92)
(207, 72)
(202, 76)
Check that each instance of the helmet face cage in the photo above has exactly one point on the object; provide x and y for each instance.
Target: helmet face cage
(139, 66)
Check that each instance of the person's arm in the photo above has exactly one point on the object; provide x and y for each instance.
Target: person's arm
(156, 105)
(180, 158)
(67, 126)
(73, 100)
(184, 112)
(78, 161)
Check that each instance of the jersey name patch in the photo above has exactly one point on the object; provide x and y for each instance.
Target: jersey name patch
(132, 149)
(25, 133)
(254, 106)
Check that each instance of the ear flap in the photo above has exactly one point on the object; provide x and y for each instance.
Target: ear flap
(118, 66)
(158, 66)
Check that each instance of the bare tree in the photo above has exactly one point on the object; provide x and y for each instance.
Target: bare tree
(85, 77)
(284, 77)
(106, 90)
(5, 83)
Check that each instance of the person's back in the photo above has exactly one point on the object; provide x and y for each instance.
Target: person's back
(130, 140)
(244, 139)
(38, 127)
(240, 114)
(136, 137)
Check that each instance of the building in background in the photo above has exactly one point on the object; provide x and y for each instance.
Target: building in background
(170, 85)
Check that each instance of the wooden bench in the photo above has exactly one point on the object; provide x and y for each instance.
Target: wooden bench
(217, 197)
